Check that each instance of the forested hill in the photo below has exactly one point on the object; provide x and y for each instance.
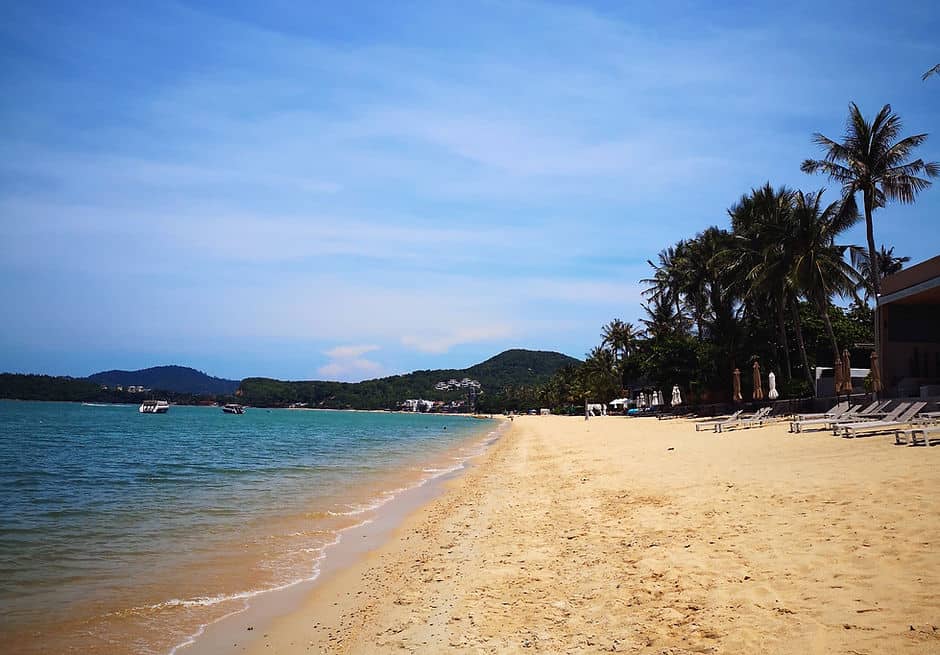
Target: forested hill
(511, 368)
(178, 379)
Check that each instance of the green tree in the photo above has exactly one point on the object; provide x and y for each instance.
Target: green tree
(888, 264)
(873, 160)
(821, 270)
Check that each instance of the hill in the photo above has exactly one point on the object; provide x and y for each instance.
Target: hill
(177, 379)
(510, 368)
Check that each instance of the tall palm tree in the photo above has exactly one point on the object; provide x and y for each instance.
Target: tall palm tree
(668, 281)
(760, 259)
(872, 161)
(661, 319)
(821, 270)
(888, 264)
(933, 71)
(619, 337)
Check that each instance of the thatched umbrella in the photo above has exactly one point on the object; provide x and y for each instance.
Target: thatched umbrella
(846, 371)
(772, 392)
(875, 373)
(736, 383)
(758, 387)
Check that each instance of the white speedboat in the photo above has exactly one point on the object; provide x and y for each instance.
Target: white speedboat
(233, 408)
(154, 407)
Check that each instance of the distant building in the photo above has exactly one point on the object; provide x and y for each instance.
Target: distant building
(417, 405)
(909, 315)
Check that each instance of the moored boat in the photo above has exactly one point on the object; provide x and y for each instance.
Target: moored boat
(154, 407)
(233, 408)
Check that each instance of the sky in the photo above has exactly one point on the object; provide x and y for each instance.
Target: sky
(309, 190)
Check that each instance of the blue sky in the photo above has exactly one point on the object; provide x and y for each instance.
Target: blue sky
(312, 191)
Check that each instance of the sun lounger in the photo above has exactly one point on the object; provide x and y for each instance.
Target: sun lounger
(855, 429)
(855, 413)
(877, 413)
(836, 410)
(710, 425)
(927, 432)
(750, 421)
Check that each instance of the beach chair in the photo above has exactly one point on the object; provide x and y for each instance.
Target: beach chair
(843, 409)
(927, 432)
(877, 413)
(886, 425)
(835, 410)
(854, 413)
(710, 425)
(758, 418)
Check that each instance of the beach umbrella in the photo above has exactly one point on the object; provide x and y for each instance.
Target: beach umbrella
(846, 371)
(654, 401)
(875, 373)
(758, 388)
(676, 396)
(736, 384)
(772, 386)
(837, 374)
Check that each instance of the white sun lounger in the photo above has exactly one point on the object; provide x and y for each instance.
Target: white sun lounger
(856, 413)
(836, 410)
(854, 429)
(927, 432)
(710, 425)
(876, 413)
(757, 419)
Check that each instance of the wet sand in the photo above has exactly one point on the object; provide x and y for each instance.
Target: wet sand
(641, 536)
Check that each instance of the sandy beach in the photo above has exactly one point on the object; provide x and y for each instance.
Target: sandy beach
(644, 536)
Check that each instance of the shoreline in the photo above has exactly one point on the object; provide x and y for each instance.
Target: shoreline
(243, 626)
(647, 537)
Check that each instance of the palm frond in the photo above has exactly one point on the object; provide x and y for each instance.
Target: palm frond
(933, 71)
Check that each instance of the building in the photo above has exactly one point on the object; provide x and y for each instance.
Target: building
(909, 315)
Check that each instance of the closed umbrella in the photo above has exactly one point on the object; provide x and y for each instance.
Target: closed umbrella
(736, 383)
(676, 395)
(758, 388)
(846, 371)
(772, 386)
(655, 399)
(875, 373)
(837, 374)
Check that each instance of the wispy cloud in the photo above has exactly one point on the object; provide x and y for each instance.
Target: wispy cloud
(403, 184)
(348, 363)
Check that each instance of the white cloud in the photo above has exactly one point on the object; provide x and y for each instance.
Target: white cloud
(347, 363)
(349, 352)
(347, 370)
(438, 343)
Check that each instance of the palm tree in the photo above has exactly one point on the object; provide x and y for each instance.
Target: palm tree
(668, 279)
(619, 337)
(888, 264)
(821, 270)
(762, 257)
(661, 319)
(871, 160)
(933, 71)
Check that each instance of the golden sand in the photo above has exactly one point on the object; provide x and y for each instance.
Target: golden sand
(644, 536)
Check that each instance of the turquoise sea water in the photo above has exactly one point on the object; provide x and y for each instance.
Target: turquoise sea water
(124, 532)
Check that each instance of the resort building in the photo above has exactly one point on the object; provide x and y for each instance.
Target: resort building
(909, 312)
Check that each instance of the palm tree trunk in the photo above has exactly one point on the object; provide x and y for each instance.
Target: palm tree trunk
(823, 305)
(782, 325)
(798, 329)
(873, 265)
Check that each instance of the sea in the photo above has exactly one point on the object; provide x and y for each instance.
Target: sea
(123, 532)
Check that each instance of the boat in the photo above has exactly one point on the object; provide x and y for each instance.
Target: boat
(233, 408)
(154, 407)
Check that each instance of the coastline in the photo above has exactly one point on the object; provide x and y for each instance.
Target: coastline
(241, 627)
(647, 537)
